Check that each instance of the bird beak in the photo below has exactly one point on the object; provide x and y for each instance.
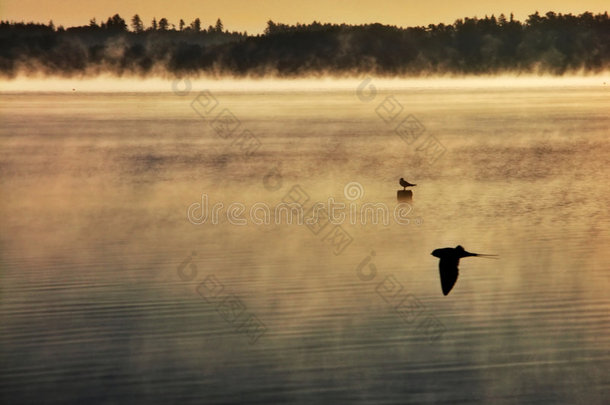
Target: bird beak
(486, 256)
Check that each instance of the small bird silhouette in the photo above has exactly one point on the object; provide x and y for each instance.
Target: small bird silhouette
(448, 266)
(404, 184)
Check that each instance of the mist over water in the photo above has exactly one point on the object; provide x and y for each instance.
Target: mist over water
(186, 84)
(96, 187)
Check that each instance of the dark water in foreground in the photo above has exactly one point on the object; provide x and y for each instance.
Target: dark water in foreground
(95, 191)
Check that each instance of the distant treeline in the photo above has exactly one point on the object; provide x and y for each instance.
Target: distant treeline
(551, 43)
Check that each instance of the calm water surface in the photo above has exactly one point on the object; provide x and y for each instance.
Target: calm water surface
(95, 191)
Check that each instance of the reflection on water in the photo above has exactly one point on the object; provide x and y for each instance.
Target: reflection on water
(95, 195)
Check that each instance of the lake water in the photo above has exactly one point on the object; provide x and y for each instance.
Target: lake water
(110, 294)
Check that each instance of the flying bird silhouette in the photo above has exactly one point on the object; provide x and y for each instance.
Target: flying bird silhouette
(448, 266)
(404, 184)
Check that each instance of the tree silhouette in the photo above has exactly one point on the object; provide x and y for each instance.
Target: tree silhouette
(196, 25)
(552, 42)
(116, 23)
(136, 24)
(219, 26)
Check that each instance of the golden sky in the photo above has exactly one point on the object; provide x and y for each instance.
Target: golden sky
(252, 15)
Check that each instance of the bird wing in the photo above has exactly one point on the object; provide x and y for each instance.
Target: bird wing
(448, 269)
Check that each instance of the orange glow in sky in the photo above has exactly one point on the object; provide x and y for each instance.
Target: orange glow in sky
(252, 15)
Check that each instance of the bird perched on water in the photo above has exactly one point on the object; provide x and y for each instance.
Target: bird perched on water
(404, 184)
(448, 266)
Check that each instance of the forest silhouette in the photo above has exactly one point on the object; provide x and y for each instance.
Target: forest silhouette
(550, 43)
